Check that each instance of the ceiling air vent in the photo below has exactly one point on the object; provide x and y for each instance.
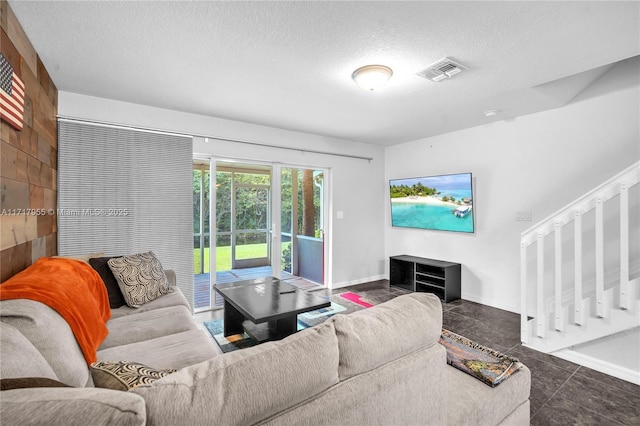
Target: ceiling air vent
(444, 68)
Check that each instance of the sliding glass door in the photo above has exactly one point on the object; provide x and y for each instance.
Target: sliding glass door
(267, 220)
(302, 223)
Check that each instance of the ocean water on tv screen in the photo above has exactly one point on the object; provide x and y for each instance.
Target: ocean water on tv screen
(428, 216)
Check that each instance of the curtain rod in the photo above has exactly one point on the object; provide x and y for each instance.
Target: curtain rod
(218, 138)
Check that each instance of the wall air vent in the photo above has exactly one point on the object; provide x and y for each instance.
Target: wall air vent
(444, 68)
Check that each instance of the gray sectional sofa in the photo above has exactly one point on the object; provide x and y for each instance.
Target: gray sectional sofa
(378, 366)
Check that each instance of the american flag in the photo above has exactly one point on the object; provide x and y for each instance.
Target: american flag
(11, 95)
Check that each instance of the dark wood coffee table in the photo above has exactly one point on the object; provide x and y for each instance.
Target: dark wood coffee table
(266, 308)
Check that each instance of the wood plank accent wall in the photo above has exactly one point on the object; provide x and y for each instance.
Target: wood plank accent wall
(28, 171)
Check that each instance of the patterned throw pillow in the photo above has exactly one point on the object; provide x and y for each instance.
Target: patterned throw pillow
(140, 278)
(124, 375)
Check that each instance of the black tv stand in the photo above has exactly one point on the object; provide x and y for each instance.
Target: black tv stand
(427, 275)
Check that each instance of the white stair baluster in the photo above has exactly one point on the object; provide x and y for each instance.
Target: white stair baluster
(558, 313)
(540, 315)
(577, 298)
(600, 296)
(624, 246)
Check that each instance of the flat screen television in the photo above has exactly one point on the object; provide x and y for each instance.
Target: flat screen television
(443, 202)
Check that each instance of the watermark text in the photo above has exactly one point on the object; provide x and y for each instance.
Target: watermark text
(65, 212)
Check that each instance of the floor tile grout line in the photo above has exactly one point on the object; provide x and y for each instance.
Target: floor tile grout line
(517, 345)
(613, 386)
(554, 394)
(590, 409)
(572, 370)
(574, 403)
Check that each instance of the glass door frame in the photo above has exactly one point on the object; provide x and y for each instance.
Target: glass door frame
(276, 213)
(202, 235)
(212, 261)
(327, 208)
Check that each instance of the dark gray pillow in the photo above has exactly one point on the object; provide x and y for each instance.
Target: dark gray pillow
(116, 299)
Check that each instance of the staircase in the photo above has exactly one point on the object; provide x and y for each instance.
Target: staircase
(578, 283)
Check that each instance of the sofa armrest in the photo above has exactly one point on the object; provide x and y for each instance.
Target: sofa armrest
(71, 407)
(171, 276)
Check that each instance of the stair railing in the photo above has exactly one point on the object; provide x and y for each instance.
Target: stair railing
(594, 199)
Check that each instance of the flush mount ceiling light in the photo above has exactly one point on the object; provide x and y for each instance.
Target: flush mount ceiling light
(372, 77)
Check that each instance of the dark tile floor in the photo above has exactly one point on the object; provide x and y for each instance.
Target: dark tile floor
(562, 393)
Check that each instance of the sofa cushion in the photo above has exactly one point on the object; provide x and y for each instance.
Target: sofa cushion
(124, 375)
(140, 278)
(375, 336)
(72, 407)
(30, 382)
(148, 325)
(471, 402)
(19, 358)
(116, 299)
(245, 387)
(51, 335)
(172, 299)
(404, 392)
(173, 351)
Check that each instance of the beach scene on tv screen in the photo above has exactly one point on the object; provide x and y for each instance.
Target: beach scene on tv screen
(442, 203)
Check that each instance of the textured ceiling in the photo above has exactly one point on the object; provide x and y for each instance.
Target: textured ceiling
(289, 64)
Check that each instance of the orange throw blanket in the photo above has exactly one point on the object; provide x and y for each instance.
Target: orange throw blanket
(73, 289)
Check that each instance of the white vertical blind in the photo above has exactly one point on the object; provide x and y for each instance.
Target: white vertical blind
(124, 191)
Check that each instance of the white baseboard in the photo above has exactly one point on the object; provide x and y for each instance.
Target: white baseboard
(334, 286)
(605, 367)
(492, 303)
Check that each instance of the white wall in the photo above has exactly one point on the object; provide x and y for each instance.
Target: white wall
(535, 163)
(357, 240)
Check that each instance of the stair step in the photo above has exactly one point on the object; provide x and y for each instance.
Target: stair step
(615, 320)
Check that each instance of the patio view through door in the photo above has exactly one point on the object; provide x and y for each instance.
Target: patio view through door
(302, 223)
(243, 243)
(251, 212)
